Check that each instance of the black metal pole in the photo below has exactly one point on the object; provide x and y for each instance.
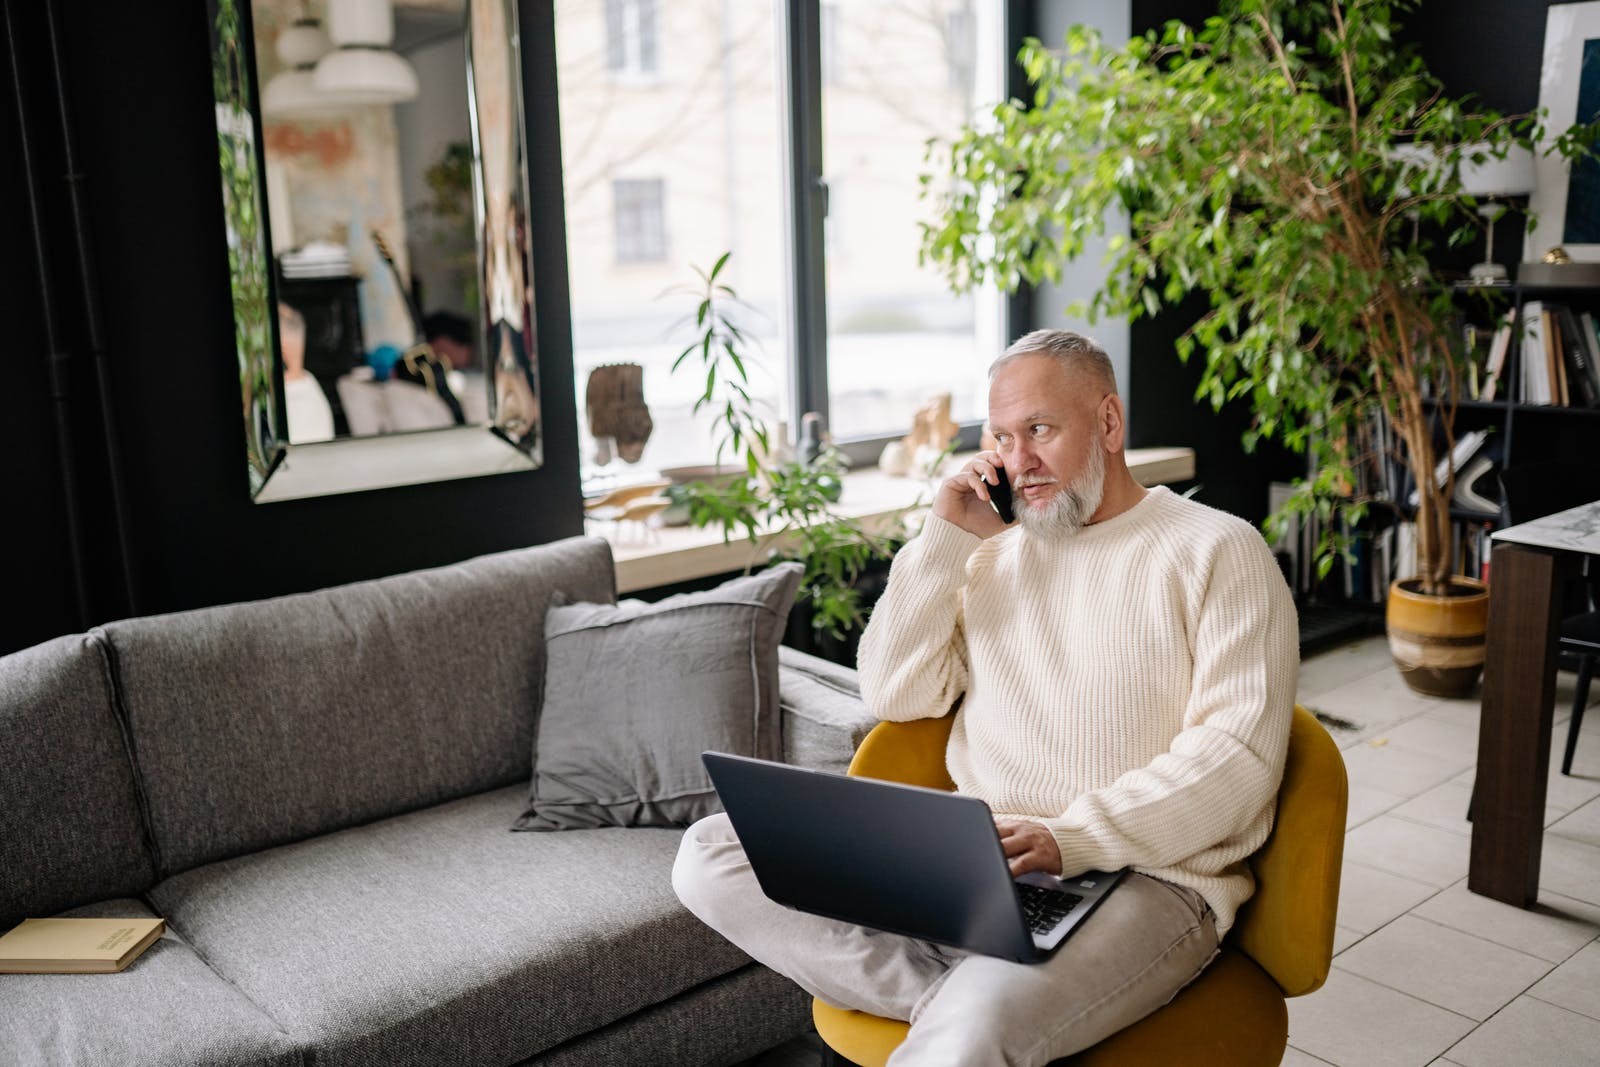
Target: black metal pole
(55, 357)
(74, 179)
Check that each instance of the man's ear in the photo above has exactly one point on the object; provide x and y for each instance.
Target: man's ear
(1109, 420)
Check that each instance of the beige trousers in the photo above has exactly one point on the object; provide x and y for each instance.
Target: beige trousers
(1145, 942)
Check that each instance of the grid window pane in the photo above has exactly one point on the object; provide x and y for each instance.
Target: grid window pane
(640, 220)
(630, 36)
(663, 177)
(896, 335)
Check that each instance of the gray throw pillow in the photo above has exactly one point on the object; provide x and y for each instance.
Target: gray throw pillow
(634, 692)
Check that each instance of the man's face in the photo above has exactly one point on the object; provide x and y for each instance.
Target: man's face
(1046, 425)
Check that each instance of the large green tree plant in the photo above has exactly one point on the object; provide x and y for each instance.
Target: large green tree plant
(1256, 161)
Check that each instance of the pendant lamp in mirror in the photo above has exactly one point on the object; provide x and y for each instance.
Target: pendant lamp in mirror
(289, 93)
(362, 69)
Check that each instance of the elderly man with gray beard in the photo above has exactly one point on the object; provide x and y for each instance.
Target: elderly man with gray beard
(1122, 662)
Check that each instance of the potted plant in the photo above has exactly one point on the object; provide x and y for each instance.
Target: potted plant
(1257, 160)
(771, 499)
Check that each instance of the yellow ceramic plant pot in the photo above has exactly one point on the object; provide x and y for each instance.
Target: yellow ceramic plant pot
(1437, 641)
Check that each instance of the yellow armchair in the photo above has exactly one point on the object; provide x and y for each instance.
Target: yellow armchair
(1281, 946)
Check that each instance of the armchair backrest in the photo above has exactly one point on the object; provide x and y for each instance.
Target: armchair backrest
(1287, 926)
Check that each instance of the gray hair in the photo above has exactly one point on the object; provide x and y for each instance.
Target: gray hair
(1073, 351)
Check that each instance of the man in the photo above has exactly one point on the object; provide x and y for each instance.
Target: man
(1124, 661)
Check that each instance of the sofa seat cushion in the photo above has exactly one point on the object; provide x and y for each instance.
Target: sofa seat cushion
(440, 936)
(168, 1009)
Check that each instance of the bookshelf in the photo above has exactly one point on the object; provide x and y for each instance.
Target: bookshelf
(1521, 430)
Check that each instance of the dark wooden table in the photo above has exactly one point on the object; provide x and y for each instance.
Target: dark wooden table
(1529, 563)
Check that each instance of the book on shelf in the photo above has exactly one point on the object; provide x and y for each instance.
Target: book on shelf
(1495, 364)
(76, 946)
(1555, 352)
(1579, 384)
(1535, 356)
(1591, 342)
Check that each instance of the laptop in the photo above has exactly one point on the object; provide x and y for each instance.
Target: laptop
(894, 857)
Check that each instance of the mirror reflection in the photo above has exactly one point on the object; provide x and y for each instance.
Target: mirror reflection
(392, 166)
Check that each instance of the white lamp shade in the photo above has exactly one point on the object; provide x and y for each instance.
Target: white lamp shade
(290, 94)
(303, 44)
(1511, 176)
(364, 76)
(368, 22)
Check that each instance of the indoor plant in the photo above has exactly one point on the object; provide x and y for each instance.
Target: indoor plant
(772, 499)
(1256, 159)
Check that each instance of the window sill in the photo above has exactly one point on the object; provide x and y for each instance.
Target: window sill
(647, 557)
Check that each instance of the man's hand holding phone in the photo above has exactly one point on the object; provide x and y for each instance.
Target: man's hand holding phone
(974, 494)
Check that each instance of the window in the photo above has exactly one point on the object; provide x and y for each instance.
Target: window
(792, 134)
(631, 37)
(895, 334)
(640, 216)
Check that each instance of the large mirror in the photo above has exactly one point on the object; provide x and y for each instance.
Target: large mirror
(374, 181)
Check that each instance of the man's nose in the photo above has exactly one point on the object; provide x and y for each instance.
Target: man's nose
(1023, 458)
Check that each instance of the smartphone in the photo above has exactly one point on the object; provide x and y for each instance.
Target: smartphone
(1000, 497)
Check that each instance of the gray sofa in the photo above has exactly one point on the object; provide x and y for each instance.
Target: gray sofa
(316, 793)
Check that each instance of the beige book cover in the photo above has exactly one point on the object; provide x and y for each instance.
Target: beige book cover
(76, 946)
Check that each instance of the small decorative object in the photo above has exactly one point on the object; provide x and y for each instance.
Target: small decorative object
(931, 427)
(895, 460)
(1556, 255)
(614, 401)
(813, 437)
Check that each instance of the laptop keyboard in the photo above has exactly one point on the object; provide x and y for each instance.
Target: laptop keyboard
(1044, 908)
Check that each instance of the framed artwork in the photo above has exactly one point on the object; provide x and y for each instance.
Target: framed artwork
(1566, 201)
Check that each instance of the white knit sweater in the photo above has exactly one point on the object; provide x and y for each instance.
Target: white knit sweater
(1129, 687)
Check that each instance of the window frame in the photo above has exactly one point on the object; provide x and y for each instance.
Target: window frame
(800, 27)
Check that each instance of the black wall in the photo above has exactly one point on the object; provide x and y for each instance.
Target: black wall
(1480, 47)
(136, 92)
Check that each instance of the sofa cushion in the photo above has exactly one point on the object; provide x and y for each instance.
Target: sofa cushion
(70, 830)
(636, 692)
(824, 717)
(258, 724)
(440, 937)
(168, 1009)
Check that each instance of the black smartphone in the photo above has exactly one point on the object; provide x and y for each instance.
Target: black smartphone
(1000, 497)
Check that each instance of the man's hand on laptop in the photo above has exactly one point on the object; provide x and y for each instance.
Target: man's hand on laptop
(1029, 846)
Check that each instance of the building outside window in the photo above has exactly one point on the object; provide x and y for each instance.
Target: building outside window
(640, 215)
(828, 32)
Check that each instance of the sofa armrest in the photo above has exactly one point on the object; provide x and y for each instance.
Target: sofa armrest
(824, 718)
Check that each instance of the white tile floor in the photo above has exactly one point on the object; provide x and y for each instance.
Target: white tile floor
(1425, 972)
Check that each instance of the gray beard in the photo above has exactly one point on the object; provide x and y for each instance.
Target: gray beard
(1073, 505)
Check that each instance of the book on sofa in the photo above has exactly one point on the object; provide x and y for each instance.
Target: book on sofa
(76, 946)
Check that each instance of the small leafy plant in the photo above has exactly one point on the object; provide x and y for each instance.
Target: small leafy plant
(772, 500)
